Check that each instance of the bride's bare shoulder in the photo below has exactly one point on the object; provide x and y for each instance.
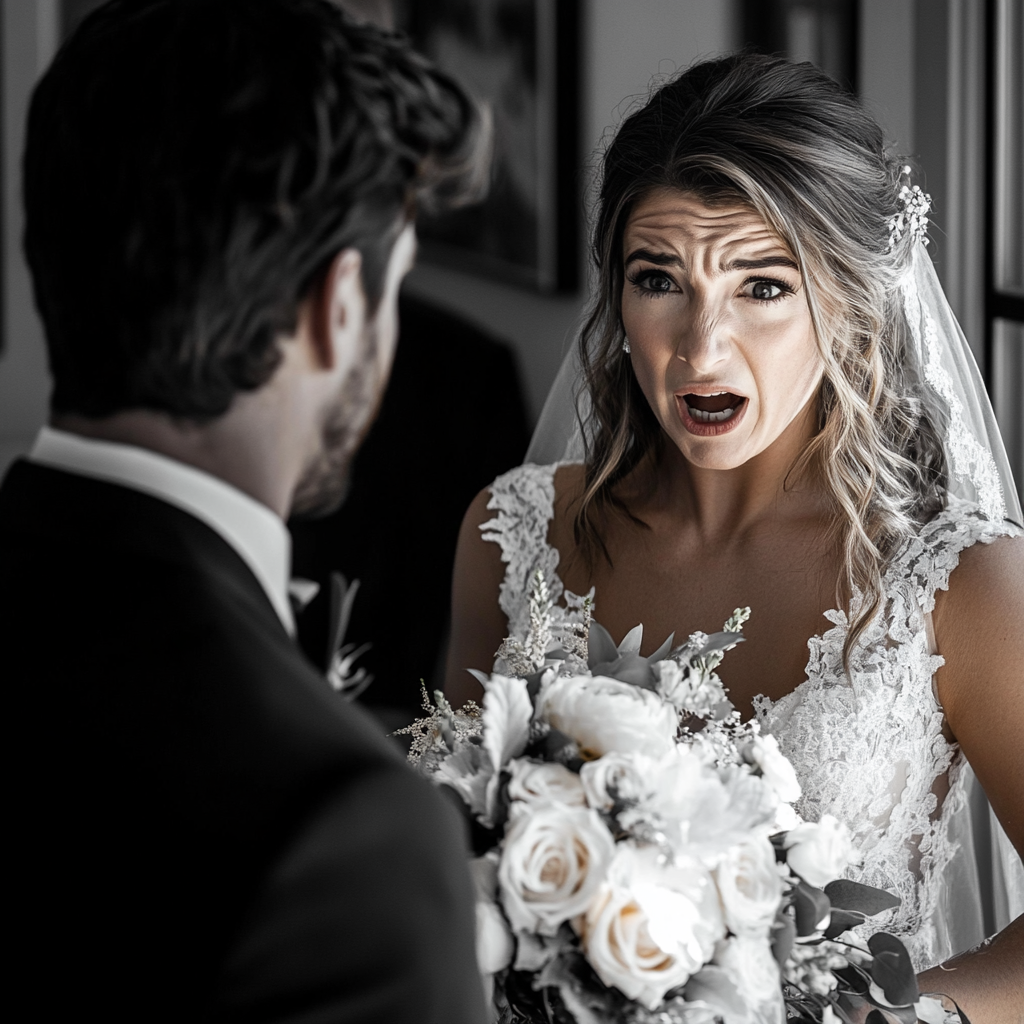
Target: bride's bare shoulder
(570, 479)
(570, 482)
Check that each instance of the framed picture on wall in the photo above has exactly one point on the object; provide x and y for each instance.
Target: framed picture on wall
(521, 58)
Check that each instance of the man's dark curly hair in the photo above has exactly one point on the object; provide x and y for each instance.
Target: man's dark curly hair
(192, 167)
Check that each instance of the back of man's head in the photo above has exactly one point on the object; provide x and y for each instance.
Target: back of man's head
(191, 169)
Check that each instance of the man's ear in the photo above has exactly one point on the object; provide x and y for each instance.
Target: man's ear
(339, 313)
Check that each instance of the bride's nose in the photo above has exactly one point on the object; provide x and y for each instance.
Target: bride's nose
(702, 340)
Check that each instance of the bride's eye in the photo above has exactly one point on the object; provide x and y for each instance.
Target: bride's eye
(651, 282)
(765, 289)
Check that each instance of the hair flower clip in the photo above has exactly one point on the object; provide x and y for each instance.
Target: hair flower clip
(913, 217)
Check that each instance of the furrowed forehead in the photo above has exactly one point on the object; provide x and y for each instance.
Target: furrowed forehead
(666, 225)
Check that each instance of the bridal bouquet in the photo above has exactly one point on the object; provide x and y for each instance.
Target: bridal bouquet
(639, 858)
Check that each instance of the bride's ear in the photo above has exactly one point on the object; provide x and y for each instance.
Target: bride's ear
(339, 314)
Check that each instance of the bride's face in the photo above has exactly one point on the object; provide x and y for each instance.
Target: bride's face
(720, 332)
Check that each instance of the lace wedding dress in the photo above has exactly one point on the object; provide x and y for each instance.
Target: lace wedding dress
(868, 748)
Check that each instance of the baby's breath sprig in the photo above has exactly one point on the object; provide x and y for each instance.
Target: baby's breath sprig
(442, 725)
(576, 635)
(734, 624)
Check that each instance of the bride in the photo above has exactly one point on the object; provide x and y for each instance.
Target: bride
(777, 410)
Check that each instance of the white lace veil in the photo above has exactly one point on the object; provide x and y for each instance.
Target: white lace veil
(979, 470)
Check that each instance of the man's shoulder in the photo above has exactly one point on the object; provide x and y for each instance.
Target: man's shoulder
(130, 617)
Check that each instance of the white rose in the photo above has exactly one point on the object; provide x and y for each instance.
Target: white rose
(820, 851)
(652, 925)
(553, 861)
(778, 772)
(616, 777)
(544, 782)
(494, 942)
(750, 886)
(750, 966)
(603, 715)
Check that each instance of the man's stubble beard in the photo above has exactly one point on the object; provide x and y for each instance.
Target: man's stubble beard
(324, 482)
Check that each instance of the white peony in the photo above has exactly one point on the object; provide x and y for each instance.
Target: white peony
(603, 715)
(616, 777)
(749, 965)
(651, 925)
(750, 886)
(553, 860)
(820, 851)
(544, 782)
(704, 810)
(778, 772)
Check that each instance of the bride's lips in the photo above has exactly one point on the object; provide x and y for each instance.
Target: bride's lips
(729, 407)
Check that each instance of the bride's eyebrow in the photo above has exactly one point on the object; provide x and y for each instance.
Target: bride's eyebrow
(761, 264)
(659, 259)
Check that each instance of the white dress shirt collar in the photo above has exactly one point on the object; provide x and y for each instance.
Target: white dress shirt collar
(253, 530)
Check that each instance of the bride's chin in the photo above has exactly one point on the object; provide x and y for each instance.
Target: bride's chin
(699, 457)
(714, 453)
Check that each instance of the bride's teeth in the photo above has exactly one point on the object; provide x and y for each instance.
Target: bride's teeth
(711, 417)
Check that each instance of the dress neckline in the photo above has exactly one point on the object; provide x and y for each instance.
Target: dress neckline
(834, 615)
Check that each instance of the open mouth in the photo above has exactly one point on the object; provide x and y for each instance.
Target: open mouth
(716, 408)
(713, 414)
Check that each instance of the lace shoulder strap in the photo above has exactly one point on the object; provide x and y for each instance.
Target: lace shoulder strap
(524, 500)
(928, 559)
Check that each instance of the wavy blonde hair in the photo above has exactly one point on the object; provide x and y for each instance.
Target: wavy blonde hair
(790, 143)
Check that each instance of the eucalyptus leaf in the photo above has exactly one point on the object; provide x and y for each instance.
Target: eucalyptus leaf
(892, 970)
(866, 899)
(783, 937)
(812, 909)
(854, 979)
(841, 920)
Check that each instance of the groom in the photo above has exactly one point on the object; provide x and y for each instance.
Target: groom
(219, 198)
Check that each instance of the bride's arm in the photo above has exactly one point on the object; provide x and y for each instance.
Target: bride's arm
(478, 624)
(979, 629)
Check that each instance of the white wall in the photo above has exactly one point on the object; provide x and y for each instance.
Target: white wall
(625, 44)
(29, 41)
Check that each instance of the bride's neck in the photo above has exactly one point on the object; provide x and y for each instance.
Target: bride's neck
(727, 502)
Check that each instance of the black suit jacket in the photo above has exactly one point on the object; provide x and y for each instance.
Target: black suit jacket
(201, 829)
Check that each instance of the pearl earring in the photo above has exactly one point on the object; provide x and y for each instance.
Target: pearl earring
(625, 345)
